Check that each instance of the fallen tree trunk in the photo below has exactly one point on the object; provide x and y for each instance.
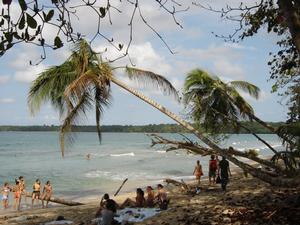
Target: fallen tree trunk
(279, 181)
(58, 200)
(182, 184)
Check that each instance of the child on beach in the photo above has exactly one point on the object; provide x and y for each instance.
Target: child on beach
(17, 195)
(47, 193)
(5, 193)
(36, 192)
(198, 172)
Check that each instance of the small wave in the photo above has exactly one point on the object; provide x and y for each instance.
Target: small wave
(161, 151)
(122, 175)
(123, 154)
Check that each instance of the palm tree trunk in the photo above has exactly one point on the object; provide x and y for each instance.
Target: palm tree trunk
(264, 124)
(251, 170)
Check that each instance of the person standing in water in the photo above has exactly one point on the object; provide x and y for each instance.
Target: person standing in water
(47, 193)
(36, 192)
(5, 193)
(22, 190)
(17, 195)
(224, 172)
(198, 172)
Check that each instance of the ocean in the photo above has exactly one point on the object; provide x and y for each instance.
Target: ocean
(119, 156)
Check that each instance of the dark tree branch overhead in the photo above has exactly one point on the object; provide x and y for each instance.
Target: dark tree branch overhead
(34, 17)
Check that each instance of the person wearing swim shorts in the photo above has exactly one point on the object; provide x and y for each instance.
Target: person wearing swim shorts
(36, 192)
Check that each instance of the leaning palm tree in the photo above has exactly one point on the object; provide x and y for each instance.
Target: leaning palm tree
(82, 82)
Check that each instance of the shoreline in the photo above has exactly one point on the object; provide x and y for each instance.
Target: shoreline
(246, 201)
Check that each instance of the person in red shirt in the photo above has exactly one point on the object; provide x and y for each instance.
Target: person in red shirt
(213, 167)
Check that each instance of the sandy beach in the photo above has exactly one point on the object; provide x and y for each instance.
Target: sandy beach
(247, 201)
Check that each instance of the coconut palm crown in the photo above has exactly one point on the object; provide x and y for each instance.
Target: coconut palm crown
(213, 103)
(81, 83)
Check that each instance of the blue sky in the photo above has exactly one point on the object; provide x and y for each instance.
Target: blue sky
(194, 45)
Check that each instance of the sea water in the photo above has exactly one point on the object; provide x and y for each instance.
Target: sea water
(119, 156)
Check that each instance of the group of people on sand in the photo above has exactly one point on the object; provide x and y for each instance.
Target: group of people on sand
(19, 189)
(108, 207)
(218, 171)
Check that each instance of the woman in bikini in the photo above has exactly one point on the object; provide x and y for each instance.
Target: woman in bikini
(5, 192)
(198, 172)
(47, 193)
(22, 189)
(150, 197)
(139, 202)
(36, 192)
(17, 195)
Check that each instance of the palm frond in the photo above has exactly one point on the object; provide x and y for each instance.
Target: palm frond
(49, 86)
(76, 112)
(102, 98)
(249, 88)
(81, 84)
(148, 77)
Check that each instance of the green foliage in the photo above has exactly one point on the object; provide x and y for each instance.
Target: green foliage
(80, 83)
(215, 104)
(151, 128)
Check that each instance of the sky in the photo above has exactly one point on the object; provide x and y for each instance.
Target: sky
(194, 46)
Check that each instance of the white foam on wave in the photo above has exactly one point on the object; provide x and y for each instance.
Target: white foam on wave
(123, 154)
(117, 176)
(161, 151)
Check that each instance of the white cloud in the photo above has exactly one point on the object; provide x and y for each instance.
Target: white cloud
(29, 73)
(4, 79)
(228, 69)
(239, 46)
(7, 100)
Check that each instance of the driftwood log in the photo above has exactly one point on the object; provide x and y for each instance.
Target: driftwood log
(58, 200)
(181, 184)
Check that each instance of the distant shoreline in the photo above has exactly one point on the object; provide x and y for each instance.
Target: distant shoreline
(150, 128)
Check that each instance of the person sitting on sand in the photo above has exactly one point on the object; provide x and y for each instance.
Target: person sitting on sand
(17, 195)
(224, 172)
(198, 172)
(108, 212)
(213, 166)
(140, 200)
(104, 200)
(36, 192)
(150, 197)
(47, 193)
(5, 193)
(161, 197)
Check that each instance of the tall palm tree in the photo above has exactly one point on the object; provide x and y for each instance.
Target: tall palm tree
(82, 82)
